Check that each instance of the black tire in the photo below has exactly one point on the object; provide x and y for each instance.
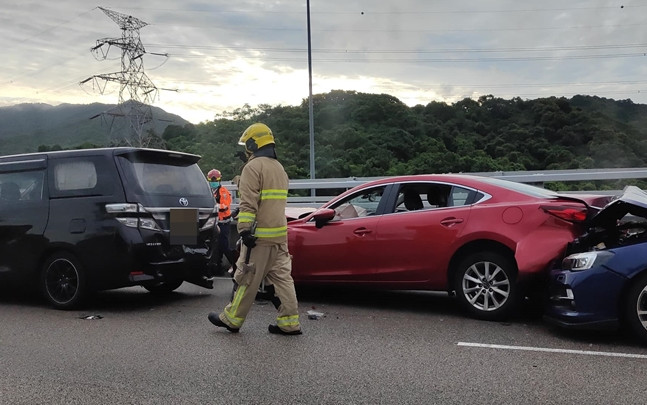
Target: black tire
(63, 281)
(635, 311)
(163, 287)
(485, 284)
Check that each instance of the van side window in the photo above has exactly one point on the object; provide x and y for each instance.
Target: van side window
(75, 176)
(81, 176)
(21, 186)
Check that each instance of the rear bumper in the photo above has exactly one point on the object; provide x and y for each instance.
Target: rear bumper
(147, 257)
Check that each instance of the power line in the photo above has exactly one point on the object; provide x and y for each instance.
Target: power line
(399, 51)
(397, 60)
(389, 12)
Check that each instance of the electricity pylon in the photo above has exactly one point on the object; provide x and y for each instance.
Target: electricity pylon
(136, 90)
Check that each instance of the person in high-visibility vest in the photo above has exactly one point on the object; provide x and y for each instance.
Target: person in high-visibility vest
(262, 226)
(223, 201)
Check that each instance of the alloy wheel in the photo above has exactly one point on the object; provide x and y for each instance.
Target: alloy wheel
(62, 281)
(486, 286)
(641, 307)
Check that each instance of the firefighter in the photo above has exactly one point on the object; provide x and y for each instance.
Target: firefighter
(262, 226)
(223, 201)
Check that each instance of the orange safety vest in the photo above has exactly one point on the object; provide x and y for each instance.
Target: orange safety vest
(223, 199)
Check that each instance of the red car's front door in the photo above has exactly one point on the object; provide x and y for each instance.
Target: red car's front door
(342, 250)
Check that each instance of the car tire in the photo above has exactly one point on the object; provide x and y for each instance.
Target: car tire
(485, 285)
(163, 287)
(63, 281)
(635, 311)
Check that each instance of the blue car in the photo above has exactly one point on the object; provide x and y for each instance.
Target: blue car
(602, 282)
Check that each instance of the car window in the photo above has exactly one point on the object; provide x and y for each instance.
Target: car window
(73, 175)
(360, 204)
(167, 178)
(422, 196)
(81, 176)
(459, 196)
(21, 186)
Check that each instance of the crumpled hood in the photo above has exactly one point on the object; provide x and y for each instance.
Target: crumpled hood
(632, 201)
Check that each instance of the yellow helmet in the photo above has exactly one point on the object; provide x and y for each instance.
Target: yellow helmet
(255, 137)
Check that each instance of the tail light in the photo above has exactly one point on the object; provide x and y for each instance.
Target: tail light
(133, 215)
(568, 213)
(136, 216)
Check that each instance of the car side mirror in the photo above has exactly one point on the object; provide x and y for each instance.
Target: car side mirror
(323, 216)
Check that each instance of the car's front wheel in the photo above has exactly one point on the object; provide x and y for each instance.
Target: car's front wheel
(636, 308)
(485, 284)
(63, 281)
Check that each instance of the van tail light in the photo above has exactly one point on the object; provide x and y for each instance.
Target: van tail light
(132, 215)
(568, 213)
(121, 208)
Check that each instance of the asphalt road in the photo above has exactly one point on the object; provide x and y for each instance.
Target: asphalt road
(368, 348)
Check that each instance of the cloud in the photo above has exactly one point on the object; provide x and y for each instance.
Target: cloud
(222, 55)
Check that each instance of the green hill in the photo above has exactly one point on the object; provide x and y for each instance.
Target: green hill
(366, 135)
(25, 127)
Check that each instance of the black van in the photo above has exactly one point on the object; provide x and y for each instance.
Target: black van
(74, 222)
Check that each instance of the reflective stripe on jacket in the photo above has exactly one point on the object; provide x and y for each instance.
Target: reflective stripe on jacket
(263, 192)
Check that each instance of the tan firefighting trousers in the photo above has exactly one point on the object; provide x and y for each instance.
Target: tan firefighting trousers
(271, 261)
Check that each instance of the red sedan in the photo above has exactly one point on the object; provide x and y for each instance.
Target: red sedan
(488, 240)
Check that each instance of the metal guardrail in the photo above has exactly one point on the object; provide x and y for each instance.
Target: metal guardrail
(533, 177)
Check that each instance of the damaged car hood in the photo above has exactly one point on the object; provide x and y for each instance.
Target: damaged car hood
(632, 201)
(621, 222)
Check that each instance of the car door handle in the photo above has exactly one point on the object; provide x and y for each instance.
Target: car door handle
(451, 221)
(361, 231)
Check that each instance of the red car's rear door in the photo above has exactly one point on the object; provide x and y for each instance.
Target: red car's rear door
(416, 246)
(415, 241)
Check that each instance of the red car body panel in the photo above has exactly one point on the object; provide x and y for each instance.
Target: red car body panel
(416, 249)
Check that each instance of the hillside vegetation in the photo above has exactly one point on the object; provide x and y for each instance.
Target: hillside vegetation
(368, 135)
(29, 127)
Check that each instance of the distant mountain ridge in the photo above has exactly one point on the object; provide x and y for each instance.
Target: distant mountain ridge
(25, 127)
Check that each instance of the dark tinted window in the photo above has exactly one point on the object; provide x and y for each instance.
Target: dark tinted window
(165, 177)
(22, 186)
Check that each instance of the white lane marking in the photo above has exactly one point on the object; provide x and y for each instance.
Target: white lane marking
(546, 349)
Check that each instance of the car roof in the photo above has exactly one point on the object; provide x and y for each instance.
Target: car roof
(121, 150)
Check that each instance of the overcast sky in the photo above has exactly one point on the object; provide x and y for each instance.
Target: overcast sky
(224, 54)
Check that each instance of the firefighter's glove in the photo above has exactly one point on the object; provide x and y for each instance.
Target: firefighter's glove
(249, 240)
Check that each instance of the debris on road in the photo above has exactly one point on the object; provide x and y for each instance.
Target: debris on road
(91, 317)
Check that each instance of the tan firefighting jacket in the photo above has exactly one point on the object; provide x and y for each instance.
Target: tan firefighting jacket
(263, 192)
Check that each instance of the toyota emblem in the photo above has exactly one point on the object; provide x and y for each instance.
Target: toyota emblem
(184, 202)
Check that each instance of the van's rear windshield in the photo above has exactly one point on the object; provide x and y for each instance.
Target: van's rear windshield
(162, 176)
